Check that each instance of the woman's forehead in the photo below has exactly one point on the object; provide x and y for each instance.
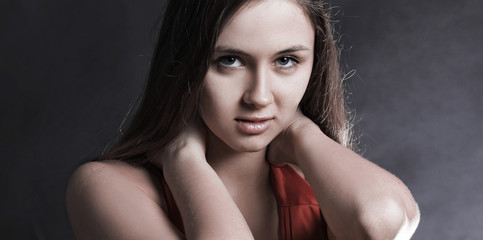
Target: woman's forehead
(268, 24)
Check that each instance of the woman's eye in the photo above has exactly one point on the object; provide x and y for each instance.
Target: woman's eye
(229, 61)
(286, 62)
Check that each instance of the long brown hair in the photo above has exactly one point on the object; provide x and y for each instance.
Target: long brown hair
(186, 39)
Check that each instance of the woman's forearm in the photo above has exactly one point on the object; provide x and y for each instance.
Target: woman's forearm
(358, 198)
(206, 207)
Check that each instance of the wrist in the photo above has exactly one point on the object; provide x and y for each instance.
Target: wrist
(305, 136)
(301, 128)
(176, 152)
(184, 163)
(284, 148)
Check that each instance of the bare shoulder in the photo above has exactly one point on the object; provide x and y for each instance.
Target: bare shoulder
(116, 200)
(112, 173)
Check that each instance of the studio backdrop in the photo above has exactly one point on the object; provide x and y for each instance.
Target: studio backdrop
(71, 70)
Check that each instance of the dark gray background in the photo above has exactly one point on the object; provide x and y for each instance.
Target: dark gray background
(69, 71)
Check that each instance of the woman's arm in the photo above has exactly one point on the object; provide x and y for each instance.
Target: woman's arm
(113, 200)
(207, 209)
(359, 200)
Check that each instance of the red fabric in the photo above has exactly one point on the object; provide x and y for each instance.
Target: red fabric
(298, 211)
(299, 214)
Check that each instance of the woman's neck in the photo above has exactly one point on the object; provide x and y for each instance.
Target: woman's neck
(236, 169)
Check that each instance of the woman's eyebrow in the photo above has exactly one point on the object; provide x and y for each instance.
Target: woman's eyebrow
(295, 48)
(226, 49)
(232, 50)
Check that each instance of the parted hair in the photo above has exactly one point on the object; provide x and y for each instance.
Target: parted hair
(186, 39)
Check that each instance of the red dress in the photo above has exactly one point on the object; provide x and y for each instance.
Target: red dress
(299, 214)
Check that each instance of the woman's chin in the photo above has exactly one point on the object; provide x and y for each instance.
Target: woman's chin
(240, 143)
(252, 150)
(250, 146)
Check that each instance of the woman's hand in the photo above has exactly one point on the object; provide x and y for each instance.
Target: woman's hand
(356, 197)
(281, 149)
(206, 207)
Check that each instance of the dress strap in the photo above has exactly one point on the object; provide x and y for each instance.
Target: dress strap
(298, 210)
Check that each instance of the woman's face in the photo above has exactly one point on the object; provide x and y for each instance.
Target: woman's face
(258, 74)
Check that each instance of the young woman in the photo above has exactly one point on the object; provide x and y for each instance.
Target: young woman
(241, 134)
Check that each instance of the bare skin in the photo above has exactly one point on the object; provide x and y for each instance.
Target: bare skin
(218, 170)
(374, 206)
(358, 199)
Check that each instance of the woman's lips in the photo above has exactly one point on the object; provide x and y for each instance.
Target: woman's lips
(253, 125)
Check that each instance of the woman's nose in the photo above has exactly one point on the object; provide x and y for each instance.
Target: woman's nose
(259, 94)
